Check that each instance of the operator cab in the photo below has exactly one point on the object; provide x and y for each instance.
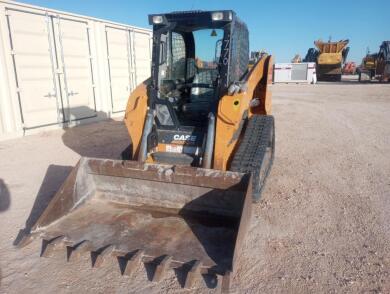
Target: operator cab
(196, 56)
(190, 83)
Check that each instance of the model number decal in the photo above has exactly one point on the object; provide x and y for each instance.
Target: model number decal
(226, 52)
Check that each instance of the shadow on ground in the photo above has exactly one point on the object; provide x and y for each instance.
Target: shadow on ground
(104, 139)
(5, 199)
(54, 177)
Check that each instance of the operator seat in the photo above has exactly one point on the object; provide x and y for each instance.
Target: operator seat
(202, 93)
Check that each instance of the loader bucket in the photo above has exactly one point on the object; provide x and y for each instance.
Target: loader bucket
(170, 217)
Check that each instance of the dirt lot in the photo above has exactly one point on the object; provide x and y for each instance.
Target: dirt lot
(323, 225)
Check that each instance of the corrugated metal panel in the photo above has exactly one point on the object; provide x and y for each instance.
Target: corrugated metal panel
(2, 131)
(31, 55)
(119, 62)
(8, 113)
(295, 73)
(55, 71)
(75, 56)
(299, 72)
(142, 55)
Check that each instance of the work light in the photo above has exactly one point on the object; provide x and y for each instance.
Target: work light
(157, 19)
(215, 16)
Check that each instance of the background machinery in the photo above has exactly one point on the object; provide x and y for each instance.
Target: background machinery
(296, 59)
(202, 145)
(383, 62)
(349, 68)
(329, 57)
(255, 56)
(368, 66)
(376, 65)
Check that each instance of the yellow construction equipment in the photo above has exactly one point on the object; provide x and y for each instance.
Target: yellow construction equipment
(383, 62)
(202, 146)
(377, 65)
(368, 66)
(330, 58)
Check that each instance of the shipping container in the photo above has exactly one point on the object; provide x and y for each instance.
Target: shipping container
(60, 69)
(304, 72)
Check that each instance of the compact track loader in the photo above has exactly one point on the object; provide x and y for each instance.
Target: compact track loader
(202, 145)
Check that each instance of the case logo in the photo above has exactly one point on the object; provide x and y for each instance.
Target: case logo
(189, 138)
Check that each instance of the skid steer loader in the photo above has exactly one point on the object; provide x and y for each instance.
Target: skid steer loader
(202, 145)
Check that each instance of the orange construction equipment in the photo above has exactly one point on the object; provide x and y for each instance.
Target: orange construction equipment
(349, 68)
(202, 146)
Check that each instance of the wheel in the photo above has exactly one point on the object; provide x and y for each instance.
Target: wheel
(255, 154)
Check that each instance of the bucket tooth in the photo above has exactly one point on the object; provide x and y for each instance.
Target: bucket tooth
(133, 263)
(161, 268)
(193, 274)
(74, 252)
(52, 245)
(100, 256)
(225, 283)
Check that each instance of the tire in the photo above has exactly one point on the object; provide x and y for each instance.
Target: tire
(255, 154)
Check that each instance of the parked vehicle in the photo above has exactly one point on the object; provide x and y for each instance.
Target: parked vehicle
(330, 59)
(377, 65)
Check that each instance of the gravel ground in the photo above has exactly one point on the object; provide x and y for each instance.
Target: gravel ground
(323, 225)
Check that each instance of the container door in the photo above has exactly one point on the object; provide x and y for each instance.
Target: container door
(299, 72)
(73, 48)
(119, 64)
(32, 54)
(141, 55)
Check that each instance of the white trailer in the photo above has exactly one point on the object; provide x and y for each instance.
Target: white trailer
(304, 72)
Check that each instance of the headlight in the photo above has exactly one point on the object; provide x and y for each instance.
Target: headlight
(215, 16)
(157, 19)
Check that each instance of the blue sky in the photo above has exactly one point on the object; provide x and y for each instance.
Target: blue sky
(281, 27)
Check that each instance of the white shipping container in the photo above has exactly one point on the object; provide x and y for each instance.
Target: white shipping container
(304, 72)
(60, 69)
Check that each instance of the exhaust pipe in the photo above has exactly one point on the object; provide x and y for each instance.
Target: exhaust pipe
(208, 153)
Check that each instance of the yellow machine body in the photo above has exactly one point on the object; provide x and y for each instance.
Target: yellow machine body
(230, 113)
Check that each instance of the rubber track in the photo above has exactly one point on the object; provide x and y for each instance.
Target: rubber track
(250, 154)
